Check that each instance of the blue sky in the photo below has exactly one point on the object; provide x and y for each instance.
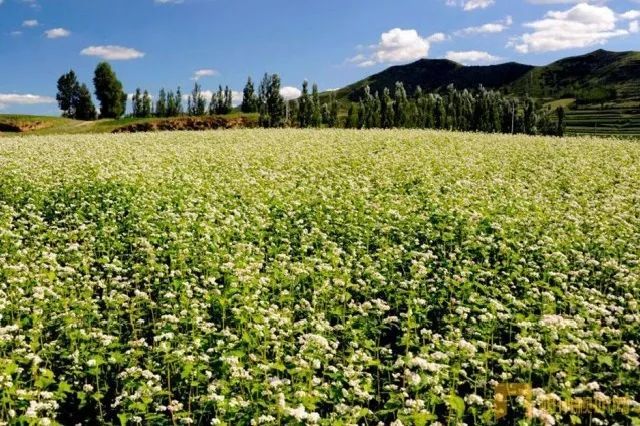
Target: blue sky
(164, 43)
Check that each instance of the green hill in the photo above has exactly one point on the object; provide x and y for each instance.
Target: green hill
(595, 77)
(434, 74)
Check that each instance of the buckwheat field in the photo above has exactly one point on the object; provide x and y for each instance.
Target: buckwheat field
(317, 277)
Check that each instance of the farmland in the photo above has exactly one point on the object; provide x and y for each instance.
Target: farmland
(327, 277)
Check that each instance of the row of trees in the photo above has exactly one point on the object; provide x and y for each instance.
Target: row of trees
(74, 99)
(479, 110)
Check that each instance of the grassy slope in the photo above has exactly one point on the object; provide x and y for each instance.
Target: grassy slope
(59, 125)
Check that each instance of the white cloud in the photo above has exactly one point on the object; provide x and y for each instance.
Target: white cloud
(472, 57)
(469, 5)
(112, 53)
(490, 28)
(581, 26)
(289, 92)
(24, 99)
(398, 45)
(169, 1)
(634, 27)
(204, 73)
(16, 33)
(30, 23)
(630, 15)
(57, 33)
(566, 1)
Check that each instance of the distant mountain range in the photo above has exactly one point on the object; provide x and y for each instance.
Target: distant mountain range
(597, 75)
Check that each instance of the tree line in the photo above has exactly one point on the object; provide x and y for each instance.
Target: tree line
(479, 110)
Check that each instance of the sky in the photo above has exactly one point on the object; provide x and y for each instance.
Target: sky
(153, 44)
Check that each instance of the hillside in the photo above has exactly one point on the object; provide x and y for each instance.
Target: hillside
(42, 125)
(600, 75)
(433, 74)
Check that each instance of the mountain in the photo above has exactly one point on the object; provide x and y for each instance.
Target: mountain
(600, 74)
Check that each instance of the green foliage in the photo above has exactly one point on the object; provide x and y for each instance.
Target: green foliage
(249, 98)
(84, 107)
(196, 103)
(272, 106)
(290, 277)
(67, 95)
(109, 91)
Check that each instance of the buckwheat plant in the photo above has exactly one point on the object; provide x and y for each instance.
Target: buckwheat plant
(288, 277)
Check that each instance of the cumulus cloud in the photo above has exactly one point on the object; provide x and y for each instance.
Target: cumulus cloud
(290, 92)
(490, 28)
(398, 45)
(632, 14)
(57, 33)
(581, 26)
(204, 73)
(24, 99)
(472, 57)
(30, 23)
(112, 53)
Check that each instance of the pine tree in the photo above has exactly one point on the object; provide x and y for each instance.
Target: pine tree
(83, 104)
(108, 90)
(197, 104)
(68, 91)
(228, 100)
(249, 98)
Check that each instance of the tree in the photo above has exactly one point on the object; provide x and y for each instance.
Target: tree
(316, 108)
(561, 121)
(530, 117)
(304, 106)
(161, 104)
(386, 110)
(272, 106)
(68, 89)
(197, 104)
(400, 106)
(146, 104)
(352, 117)
(108, 90)
(136, 103)
(249, 98)
(333, 111)
(84, 108)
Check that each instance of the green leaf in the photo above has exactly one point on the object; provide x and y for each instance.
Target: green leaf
(457, 404)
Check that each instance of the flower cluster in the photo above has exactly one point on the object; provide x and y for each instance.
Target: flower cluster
(335, 277)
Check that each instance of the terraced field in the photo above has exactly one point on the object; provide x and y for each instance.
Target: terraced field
(604, 122)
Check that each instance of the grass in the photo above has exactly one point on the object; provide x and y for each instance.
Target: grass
(316, 277)
(47, 125)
